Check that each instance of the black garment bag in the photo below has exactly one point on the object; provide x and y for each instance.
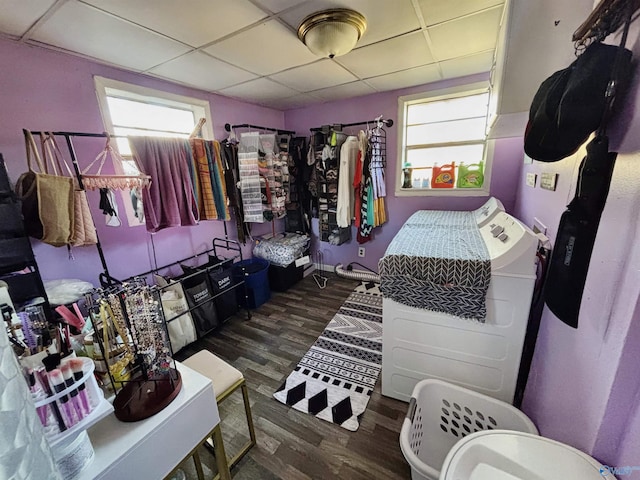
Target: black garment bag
(577, 233)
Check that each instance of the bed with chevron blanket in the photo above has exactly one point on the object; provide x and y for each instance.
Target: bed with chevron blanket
(438, 261)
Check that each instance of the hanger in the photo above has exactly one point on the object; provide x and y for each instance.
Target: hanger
(606, 18)
(197, 131)
(232, 136)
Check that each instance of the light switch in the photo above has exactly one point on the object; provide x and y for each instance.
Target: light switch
(548, 181)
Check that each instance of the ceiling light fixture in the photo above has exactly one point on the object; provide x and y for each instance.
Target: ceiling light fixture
(331, 33)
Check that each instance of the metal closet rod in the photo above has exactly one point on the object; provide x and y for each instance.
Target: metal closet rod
(81, 134)
(340, 126)
(228, 127)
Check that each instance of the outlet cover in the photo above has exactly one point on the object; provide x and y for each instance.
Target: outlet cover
(531, 179)
(361, 251)
(548, 181)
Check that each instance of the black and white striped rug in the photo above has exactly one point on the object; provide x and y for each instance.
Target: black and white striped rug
(335, 378)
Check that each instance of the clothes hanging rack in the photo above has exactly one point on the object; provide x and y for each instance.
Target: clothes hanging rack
(105, 276)
(605, 19)
(228, 127)
(340, 126)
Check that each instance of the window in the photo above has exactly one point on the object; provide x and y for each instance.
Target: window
(443, 148)
(133, 110)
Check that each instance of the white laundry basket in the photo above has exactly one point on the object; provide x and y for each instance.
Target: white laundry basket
(440, 414)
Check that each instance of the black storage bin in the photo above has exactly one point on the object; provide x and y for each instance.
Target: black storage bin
(222, 282)
(283, 278)
(198, 291)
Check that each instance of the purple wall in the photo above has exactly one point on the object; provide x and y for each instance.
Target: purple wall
(506, 167)
(45, 90)
(584, 386)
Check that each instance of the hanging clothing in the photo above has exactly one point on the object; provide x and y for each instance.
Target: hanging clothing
(348, 160)
(229, 154)
(169, 201)
(207, 205)
(377, 147)
(357, 177)
(366, 198)
(222, 200)
(299, 205)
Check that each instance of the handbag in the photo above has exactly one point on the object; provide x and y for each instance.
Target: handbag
(84, 230)
(47, 199)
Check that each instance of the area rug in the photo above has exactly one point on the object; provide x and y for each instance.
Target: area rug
(335, 378)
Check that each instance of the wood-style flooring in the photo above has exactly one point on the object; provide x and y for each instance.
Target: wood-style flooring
(291, 444)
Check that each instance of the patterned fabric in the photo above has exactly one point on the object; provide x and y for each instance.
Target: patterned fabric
(217, 181)
(425, 218)
(335, 378)
(207, 205)
(282, 251)
(444, 267)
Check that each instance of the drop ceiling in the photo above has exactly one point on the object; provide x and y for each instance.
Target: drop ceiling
(248, 49)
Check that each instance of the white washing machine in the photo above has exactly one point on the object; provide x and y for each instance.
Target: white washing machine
(485, 357)
(509, 455)
(486, 212)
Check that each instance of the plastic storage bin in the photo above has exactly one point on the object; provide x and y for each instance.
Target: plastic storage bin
(283, 278)
(440, 414)
(254, 271)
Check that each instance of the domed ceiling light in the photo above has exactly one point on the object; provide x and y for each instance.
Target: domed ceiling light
(331, 33)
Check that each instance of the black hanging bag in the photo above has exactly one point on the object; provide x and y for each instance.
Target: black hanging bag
(577, 233)
(587, 101)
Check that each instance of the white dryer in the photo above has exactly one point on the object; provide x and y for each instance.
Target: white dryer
(485, 357)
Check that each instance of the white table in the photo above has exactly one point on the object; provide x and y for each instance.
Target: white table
(152, 448)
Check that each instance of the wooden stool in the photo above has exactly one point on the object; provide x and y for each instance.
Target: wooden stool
(226, 380)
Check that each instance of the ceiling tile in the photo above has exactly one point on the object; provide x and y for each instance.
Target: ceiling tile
(459, 67)
(202, 71)
(385, 18)
(438, 11)
(83, 29)
(322, 74)
(354, 89)
(279, 5)
(260, 90)
(407, 78)
(18, 15)
(296, 101)
(472, 34)
(264, 49)
(200, 23)
(392, 55)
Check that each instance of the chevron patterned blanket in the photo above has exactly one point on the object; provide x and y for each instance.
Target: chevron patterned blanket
(440, 264)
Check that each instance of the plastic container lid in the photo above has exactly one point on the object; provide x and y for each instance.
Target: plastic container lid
(510, 455)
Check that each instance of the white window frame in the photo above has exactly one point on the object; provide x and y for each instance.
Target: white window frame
(435, 95)
(138, 93)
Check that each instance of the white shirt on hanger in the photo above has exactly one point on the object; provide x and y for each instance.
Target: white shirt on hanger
(346, 202)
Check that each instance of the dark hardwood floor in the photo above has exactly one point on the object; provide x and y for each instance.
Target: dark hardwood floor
(291, 444)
